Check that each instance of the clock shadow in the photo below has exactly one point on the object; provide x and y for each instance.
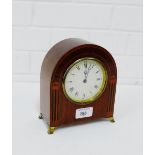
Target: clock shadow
(84, 123)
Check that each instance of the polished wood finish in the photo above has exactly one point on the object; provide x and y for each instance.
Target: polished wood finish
(54, 106)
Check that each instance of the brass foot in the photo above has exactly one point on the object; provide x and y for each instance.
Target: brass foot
(51, 130)
(111, 119)
(40, 116)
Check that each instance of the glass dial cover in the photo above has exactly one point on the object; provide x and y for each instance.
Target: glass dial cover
(84, 80)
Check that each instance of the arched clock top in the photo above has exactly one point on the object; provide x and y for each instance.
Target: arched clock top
(69, 50)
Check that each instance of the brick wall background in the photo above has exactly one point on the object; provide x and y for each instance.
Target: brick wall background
(113, 24)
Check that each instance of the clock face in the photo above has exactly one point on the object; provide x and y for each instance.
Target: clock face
(84, 80)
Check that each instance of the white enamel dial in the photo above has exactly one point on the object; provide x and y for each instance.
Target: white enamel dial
(84, 80)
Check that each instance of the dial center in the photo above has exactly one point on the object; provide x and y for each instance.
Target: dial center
(85, 81)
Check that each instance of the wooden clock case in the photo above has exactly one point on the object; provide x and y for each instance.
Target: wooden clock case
(55, 108)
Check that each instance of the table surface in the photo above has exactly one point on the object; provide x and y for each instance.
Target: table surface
(124, 137)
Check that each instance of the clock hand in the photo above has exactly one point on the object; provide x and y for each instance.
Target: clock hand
(87, 71)
(90, 67)
(86, 74)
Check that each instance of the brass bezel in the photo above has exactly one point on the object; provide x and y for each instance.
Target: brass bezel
(95, 97)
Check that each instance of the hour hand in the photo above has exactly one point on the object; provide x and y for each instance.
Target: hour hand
(86, 74)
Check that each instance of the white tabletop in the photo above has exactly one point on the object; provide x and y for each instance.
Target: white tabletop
(124, 137)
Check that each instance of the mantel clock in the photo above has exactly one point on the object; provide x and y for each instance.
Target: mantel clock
(77, 83)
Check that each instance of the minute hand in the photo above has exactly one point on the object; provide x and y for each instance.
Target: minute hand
(86, 74)
(89, 68)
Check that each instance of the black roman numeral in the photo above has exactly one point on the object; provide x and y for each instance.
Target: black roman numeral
(77, 93)
(91, 66)
(96, 86)
(84, 95)
(85, 64)
(78, 68)
(97, 71)
(98, 79)
(71, 89)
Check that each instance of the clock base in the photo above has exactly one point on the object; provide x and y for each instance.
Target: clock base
(51, 130)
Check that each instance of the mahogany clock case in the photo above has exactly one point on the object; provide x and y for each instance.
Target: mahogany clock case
(55, 108)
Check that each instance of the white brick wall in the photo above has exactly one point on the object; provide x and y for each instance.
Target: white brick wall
(113, 24)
